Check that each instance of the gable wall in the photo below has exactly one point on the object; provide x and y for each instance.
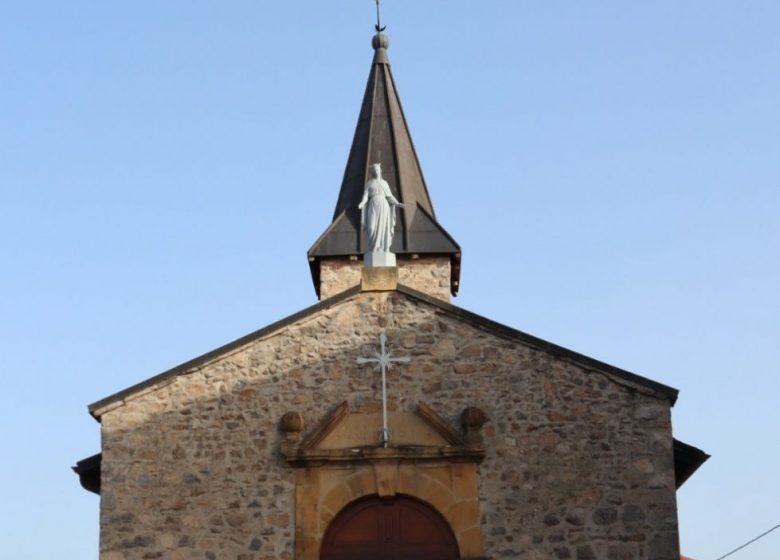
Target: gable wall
(576, 465)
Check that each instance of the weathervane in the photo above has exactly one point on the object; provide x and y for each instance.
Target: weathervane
(378, 25)
(383, 361)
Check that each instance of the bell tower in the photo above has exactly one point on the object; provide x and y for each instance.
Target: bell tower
(428, 258)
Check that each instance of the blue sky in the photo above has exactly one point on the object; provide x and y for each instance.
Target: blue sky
(611, 170)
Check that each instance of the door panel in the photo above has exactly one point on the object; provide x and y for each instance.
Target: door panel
(398, 528)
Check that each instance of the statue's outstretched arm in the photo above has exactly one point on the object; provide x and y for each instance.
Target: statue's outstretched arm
(363, 200)
(393, 202)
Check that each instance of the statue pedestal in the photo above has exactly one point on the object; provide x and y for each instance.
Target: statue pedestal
(378, 258)
(379, 278)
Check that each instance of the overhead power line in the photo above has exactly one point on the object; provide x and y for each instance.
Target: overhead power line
(765, 533)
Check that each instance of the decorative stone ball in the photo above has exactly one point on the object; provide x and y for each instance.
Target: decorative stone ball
(292, 423)
(473, 418)
(380, 41)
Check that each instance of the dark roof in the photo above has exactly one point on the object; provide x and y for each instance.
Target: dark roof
(687, 460)
(89, 472)
(382, 136)
(466, 316)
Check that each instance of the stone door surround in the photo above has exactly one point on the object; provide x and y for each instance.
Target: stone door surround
(339, 462)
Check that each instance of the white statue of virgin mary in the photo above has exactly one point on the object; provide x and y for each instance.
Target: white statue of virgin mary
(378, 217)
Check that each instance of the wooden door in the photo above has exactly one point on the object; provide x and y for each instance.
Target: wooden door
(397, 528)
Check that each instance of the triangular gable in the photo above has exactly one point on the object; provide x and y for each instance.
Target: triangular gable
(616, 374)
(344, 428)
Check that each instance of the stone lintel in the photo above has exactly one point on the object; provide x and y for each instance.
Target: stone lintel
(416, 454)
(379, 279)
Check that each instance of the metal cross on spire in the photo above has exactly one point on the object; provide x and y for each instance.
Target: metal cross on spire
(378, 25)
(383, 361)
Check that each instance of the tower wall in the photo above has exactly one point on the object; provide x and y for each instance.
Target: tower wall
(430, 275)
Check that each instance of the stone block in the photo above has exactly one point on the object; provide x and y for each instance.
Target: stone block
(379, 279)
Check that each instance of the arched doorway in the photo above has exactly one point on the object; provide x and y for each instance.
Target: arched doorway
(397, 528)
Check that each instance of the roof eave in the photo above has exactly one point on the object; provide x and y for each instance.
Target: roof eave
(88, 471)
(669, 393)
(96, 407)
(687, 460)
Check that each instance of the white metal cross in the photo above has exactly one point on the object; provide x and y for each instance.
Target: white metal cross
(384, 361)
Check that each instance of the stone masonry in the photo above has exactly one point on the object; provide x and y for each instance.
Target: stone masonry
(578, 464)
(430, 275)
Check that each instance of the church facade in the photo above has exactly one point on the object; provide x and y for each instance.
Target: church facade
(499, 444)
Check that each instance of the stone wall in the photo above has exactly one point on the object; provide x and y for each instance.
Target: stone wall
(430, 275)
(577, 465)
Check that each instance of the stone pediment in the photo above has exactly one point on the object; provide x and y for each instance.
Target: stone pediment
(352, 435)
(360, 429)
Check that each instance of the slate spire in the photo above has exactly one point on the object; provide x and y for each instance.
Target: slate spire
(382, 136)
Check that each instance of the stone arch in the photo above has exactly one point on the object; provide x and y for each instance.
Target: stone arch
(353, 487)
(449, 489)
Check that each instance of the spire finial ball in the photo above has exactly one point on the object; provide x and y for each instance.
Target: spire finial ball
(380, 41)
